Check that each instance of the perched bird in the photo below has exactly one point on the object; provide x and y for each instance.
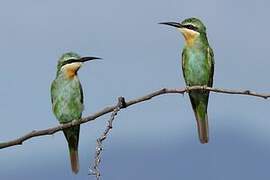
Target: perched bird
(198, 68)
(67, 100)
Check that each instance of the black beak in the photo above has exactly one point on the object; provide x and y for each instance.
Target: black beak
(174, 24)
(84, 59)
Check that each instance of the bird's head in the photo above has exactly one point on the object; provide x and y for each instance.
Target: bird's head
(191, 28)
(69, 63)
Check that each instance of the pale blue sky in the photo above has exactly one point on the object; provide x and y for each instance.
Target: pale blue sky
(155, 140)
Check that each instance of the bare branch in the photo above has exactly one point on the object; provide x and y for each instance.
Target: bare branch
(95, 170)
(50, 131)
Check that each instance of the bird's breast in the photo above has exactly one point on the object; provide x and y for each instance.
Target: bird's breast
(68, 96)
(196, 68)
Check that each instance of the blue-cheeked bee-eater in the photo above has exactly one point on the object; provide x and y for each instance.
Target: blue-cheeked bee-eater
(67, 100)
(198, 69)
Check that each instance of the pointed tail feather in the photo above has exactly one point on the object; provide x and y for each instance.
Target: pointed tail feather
(74, 160)
(202, 125)
(72, 136)
(199, 104)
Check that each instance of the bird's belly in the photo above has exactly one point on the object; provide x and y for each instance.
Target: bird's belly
(68, 110)
(196, 72)
(196, 77)
(67, 104)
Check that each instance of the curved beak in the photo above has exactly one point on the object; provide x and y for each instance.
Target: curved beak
(84, 59)
(174, 24)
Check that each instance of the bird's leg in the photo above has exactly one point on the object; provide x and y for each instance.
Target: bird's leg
(204, 89)
(187, 89)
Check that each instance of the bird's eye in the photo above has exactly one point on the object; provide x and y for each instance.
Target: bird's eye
(191, 27)
(68, 61)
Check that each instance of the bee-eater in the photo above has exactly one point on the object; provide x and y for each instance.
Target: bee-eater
(67, 100)
(198, 68)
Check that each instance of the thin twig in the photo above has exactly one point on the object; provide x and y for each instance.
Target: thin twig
(95, 170)
(50, 131)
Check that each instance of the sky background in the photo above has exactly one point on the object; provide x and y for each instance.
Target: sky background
(154, 140)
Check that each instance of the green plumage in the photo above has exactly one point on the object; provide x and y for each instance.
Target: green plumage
(67, 98)
(198, 70)
(67, 105)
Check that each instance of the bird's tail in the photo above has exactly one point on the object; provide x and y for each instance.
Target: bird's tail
(199, 106)
(72, 136)
(202, 125)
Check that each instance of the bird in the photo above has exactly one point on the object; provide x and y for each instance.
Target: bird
(67, 100)
(198, 69)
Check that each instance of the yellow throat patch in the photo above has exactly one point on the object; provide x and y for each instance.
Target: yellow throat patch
(189, 35)
(70, 70)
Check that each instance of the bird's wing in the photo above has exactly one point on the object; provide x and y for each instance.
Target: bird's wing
(211, 62)
(53, 91)
(183, 64)
(81, 91)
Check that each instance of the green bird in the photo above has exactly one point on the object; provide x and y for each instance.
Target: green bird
(67, 100)
(198, 69)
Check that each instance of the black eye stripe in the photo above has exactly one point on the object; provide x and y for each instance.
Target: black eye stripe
(69, 61)
(189, 26)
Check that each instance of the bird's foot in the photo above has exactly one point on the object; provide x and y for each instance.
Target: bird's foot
(204, 89)
(187, 89)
